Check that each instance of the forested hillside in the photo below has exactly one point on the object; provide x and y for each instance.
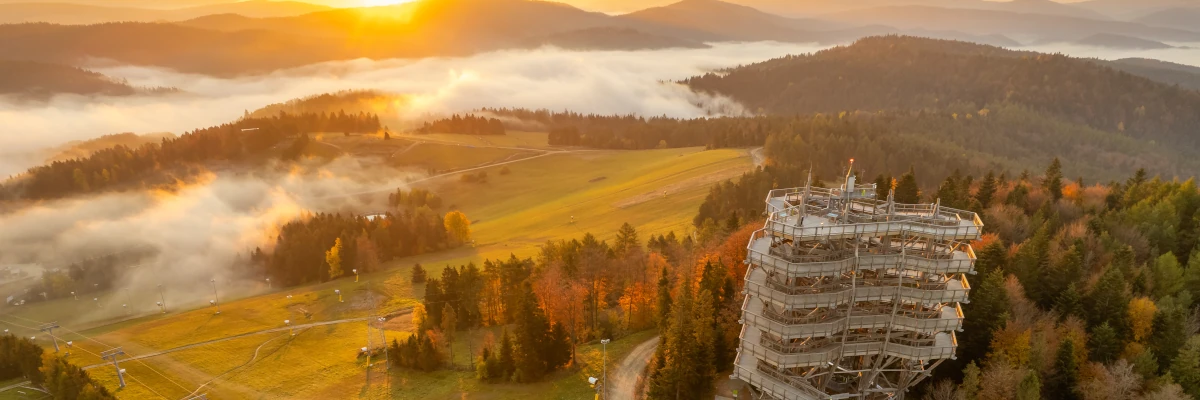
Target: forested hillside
(28, 79)
(1186, 76)
(120, 166)
(1003, 136)
(1084, 291)
(908, 73)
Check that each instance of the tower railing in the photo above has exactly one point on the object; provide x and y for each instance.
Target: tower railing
(949, 292)
(961, 261)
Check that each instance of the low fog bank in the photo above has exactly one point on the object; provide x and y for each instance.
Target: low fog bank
(1183, 53)
(200, 231)
(604, 82)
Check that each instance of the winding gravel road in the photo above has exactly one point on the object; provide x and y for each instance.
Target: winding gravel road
(625, 376)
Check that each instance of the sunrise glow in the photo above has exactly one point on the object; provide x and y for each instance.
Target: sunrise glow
(376, 3)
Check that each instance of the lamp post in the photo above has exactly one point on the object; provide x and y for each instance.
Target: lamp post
(216, 299)
(162, 299)
(268, 283)
(339, 293)
(604, 366)
(75, 296)
(288, 322)
(355, 271)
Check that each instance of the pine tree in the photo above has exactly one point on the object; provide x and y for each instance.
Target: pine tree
(972, 379)
(989, 311)
(664, 298)
(1186, 367)
(1108, 302)
(1168, 335)
(559, 350)
(1053, 180)
(987, 190)
(418, 274)
(1104, 344)
(993, 257)
(948, 193)
(627, 240)
(1030, 388)
(507, 361)
(1069, 303)
(1065, 273)
(531, 331)
(703, 347)
(882, 186)
(676, 376)
(1063, 383)
(1168, 276)
(1191, 275)
(907, 190)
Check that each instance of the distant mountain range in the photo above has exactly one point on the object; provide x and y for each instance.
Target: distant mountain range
(1176, 17)
(1020, 26)
(259, 36)
(69, 12)
(608, 38)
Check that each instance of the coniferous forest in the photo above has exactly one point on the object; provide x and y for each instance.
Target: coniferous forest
(121, 166)
(465, 125)
(1083, 291)
(322, 247)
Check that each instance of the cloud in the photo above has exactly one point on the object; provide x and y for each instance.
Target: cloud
(1184, 53)
(200, 231)
(606, 82)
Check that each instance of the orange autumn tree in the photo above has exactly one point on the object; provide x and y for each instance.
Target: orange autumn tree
(733, 252)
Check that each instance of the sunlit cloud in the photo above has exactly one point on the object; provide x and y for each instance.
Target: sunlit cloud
(605, 82)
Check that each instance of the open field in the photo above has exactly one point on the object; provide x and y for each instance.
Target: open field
(533, 140)
(447, 157)
(557, 196)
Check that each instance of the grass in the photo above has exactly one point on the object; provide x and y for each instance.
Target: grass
(23, 394)
(449, 157)
(557, 196)
(565, 195)
(533, 140)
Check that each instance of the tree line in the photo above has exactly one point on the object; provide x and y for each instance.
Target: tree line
(464, 125)
(122, 167)
(581, 290)
(21, 358)
(321, 247)
(81, 277)
(958, 136)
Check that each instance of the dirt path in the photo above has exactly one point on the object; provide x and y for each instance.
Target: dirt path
(625, 376)
(757, 155)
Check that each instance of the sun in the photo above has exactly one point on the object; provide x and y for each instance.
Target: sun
(376, 3)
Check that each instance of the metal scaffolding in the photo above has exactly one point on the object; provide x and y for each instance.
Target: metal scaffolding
(850, 297)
